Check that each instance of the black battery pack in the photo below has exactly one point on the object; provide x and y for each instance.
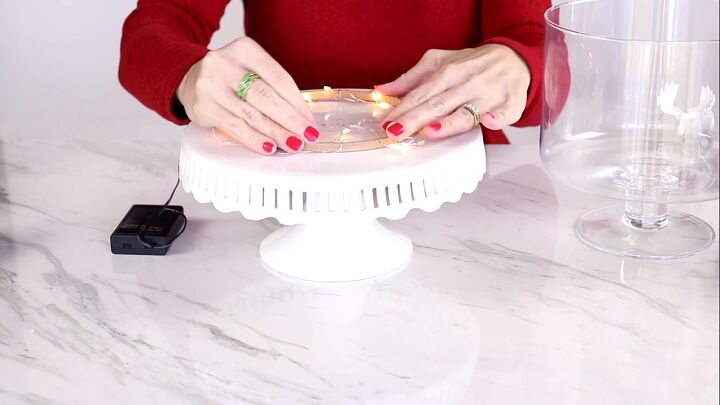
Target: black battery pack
(160, 226)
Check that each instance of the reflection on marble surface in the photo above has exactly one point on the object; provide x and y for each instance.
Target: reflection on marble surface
(501, 304)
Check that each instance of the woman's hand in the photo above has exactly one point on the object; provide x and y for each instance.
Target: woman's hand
(492, 77)
(274, 114)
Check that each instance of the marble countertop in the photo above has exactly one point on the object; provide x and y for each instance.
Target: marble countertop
(501, 303)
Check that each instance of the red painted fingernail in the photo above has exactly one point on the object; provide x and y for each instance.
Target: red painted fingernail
(395, 129)
(268, 147)
(385, 124)
(311, 134)
(435, 125)
(293, 142)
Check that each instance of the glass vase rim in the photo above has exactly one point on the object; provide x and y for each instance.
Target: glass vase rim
(566, 30)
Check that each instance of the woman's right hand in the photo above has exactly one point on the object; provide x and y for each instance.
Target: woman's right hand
(274, 114)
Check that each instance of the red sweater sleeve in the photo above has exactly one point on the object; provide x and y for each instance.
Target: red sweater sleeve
(519, 24)
(161, 39)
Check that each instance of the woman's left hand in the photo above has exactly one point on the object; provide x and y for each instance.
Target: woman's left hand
(492, 77)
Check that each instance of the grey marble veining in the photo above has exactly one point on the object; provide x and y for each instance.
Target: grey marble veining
(501, 304)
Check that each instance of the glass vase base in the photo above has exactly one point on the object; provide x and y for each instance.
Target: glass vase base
(606, 230)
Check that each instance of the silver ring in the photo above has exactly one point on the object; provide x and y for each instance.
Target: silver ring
(475, 113)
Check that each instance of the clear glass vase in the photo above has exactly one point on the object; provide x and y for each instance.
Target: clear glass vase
(630, 109)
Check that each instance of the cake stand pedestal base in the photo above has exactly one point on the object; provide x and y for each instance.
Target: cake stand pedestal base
(336, 251)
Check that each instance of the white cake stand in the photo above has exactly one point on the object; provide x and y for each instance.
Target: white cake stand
(330, 202)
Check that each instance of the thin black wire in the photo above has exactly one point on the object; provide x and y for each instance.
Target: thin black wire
(153, 216)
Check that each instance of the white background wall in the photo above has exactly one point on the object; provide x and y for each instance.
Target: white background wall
(58, 68)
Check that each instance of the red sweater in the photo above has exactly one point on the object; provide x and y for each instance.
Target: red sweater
(339, 43)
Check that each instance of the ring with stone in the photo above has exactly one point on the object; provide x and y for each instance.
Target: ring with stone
(245, 84)
(474, 111)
